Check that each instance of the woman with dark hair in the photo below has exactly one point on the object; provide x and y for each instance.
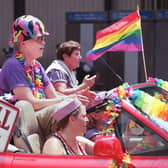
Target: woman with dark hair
(62, 75)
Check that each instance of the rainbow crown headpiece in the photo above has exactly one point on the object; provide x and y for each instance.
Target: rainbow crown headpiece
(27, 27)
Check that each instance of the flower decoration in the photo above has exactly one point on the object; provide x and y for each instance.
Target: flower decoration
(112, 110)
(162, 84)
(155, 106)
(159, 82)
(36, 84)
(111, 113)
(150, 105)
(126, 162)
(113, 164)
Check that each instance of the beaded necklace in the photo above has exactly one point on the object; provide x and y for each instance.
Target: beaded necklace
(69, 147)
(35, 83)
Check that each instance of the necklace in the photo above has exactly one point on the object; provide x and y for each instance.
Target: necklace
(34, 76)
(69, 146)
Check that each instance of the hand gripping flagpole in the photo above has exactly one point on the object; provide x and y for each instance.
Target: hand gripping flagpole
(143, 55)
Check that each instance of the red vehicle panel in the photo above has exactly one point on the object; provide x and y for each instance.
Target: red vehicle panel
(43, 161)
(6, 160)
(150, 161)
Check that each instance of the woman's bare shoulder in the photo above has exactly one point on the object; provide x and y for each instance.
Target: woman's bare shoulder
(53, 146)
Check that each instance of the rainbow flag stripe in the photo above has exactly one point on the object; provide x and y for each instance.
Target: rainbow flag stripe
(124, 35)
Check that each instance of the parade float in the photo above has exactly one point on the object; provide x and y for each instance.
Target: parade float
(119, 146)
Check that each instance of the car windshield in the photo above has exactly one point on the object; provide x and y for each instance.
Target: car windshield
(137, 138)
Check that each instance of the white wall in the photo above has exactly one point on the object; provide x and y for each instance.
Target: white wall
(52, 12)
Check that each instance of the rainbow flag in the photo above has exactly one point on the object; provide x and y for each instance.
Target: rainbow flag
(124, 35)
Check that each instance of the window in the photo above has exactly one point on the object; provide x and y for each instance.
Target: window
(138, 139)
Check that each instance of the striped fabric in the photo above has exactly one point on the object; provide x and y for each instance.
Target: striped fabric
(124, 35)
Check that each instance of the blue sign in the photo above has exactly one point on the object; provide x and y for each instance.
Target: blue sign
(86, 16)
(147, 15)
(113, 15)
(116, 15)
(161, 14)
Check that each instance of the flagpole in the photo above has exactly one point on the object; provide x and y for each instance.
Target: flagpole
(143, 55)
(144, 63)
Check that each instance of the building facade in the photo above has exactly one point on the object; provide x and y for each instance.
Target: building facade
(54, 15)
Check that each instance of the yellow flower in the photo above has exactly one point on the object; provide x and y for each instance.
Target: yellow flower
(113, 164)
(126, 158)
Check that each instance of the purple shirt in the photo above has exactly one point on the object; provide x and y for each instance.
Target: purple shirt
(59, 76)
(59, 72)
(13, 75)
